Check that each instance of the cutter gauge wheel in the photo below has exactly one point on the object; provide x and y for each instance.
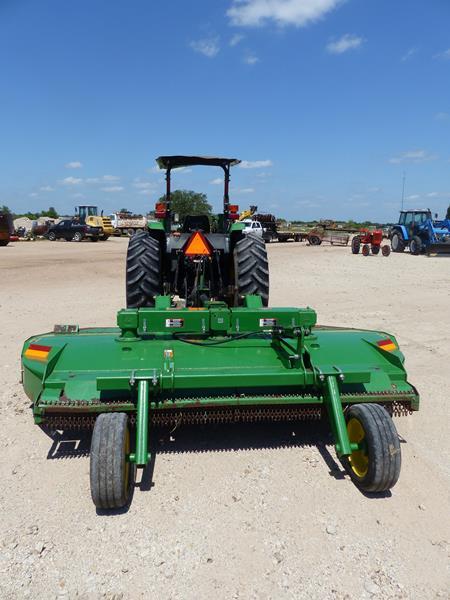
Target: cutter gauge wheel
(111, 475)
(375, 466)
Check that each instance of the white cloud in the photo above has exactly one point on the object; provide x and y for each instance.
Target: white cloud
(146, 191)
(78, 195)
(237, 37)
(251, 59)
(103, 179)
(254, 13)
(143, 185)
(413, 197)
(432, 194)
(72, 181)
(445, 55)
(255, 164)
(47, 188)
(344, 44)
(413, 156)
(75, 164)
(33, 195)
(207, 46)
(409, 54)
(183, 170)
(216, 181)
(244, 191)
(442, 116)
(113, 188)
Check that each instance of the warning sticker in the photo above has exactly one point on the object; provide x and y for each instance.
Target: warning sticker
(267, 322)
(175, 323)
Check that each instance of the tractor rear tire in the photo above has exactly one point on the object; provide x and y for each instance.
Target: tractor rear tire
(111, 475)
(144, 280)
(356, 244)
(251, 269)
(415, 245)
(385, 250)
(375, 249)
(376, 467)
(366, 250)
(397, 242)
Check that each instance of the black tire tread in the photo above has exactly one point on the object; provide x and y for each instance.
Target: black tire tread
(401, 242)
(143, 270)
(251, 269)
(107, 461)
(383, 448)
(356, 244)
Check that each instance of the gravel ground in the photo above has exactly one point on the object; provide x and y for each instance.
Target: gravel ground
(248, 512)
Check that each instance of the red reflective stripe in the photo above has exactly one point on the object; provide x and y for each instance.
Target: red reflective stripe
(40, 348)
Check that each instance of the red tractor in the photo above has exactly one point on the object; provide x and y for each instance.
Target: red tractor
(371, 240)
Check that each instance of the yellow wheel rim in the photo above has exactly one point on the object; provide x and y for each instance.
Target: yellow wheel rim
(359, 460)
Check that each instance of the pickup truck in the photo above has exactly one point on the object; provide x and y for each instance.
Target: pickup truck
(72, 230)
(253, 227)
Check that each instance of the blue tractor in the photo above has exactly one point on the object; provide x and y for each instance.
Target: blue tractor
(417, 229)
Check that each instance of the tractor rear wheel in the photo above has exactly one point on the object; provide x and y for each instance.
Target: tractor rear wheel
(397, 242)
(415, 245)
(144, 280)
(375, 467)
(251, 269)
(366, 250)
(356, 244)
(375, 249)
(385, 250)
(111, 475)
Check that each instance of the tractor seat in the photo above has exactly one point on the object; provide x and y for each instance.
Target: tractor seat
(196, 223)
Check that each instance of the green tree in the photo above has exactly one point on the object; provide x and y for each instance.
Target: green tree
(447, 216)
(51, 213)
(187, 202)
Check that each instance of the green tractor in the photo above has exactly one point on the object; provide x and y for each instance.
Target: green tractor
(223, 357)
(193, 262)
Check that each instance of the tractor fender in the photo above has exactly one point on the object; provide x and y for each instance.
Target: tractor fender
(400, 229)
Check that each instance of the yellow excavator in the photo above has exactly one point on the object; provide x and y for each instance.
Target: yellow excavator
(89, 215)
(246, 214)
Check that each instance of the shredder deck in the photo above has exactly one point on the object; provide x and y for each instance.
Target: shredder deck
(165, 365)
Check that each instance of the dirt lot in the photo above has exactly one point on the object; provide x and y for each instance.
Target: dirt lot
(229, 512)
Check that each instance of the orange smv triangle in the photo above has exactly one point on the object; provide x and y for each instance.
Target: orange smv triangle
(197, 246)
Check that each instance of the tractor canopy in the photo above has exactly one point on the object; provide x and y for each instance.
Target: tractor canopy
(174, 162)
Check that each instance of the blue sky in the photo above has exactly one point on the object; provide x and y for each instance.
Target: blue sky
(327, 101)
